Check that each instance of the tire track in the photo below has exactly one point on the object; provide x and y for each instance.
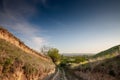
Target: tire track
(56, 76)
(63, 75)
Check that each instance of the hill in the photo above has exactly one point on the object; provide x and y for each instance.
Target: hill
(6, 35)
(102, 66)
(19, 62)
(109, 52)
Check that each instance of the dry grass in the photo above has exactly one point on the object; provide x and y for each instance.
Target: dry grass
(12, 58)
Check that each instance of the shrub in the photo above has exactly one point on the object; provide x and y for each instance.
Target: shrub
(7, 64)
(29, 69)
(112, 73)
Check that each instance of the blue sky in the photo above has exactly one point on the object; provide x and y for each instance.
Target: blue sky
(72, 26)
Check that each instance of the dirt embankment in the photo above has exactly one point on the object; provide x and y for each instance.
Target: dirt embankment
(6, 35)
(19, 62)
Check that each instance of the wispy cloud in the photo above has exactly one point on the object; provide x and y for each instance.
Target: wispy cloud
(15, 15)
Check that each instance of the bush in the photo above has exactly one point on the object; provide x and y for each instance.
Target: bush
(112, 73)
(54, 54)
(7, 64)
(29, 69)
(79, 59)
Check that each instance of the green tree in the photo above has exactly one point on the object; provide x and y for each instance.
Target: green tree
(79, 59)
(54, 54)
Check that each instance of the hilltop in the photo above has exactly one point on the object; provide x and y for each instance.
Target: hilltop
(19, 62)
(109, 52)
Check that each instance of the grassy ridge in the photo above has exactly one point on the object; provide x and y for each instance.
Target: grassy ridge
(111, 51)
(12, 58)
(102, 66)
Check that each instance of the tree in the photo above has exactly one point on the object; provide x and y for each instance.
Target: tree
(54, 54)
(44, 49)
(79, 59)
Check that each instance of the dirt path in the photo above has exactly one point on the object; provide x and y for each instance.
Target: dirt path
(56, 76)
(63, 75)
(59, 75)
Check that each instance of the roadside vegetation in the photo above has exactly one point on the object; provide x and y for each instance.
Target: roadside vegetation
(61, 60)
(103, 66)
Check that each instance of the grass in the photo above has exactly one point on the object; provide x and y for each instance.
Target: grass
(106, 63)
(109, 52)
(11, 56)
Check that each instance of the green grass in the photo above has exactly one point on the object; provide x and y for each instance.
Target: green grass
(109, 52)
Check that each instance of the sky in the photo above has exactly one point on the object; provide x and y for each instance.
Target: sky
(72, 26)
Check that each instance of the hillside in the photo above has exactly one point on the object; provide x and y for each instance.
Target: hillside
(109, 52)
(6, 35)
(102, 66)
(108, 69)
(19, 62)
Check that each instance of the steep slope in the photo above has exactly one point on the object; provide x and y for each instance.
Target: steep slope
(6, 35)
(18, 63)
